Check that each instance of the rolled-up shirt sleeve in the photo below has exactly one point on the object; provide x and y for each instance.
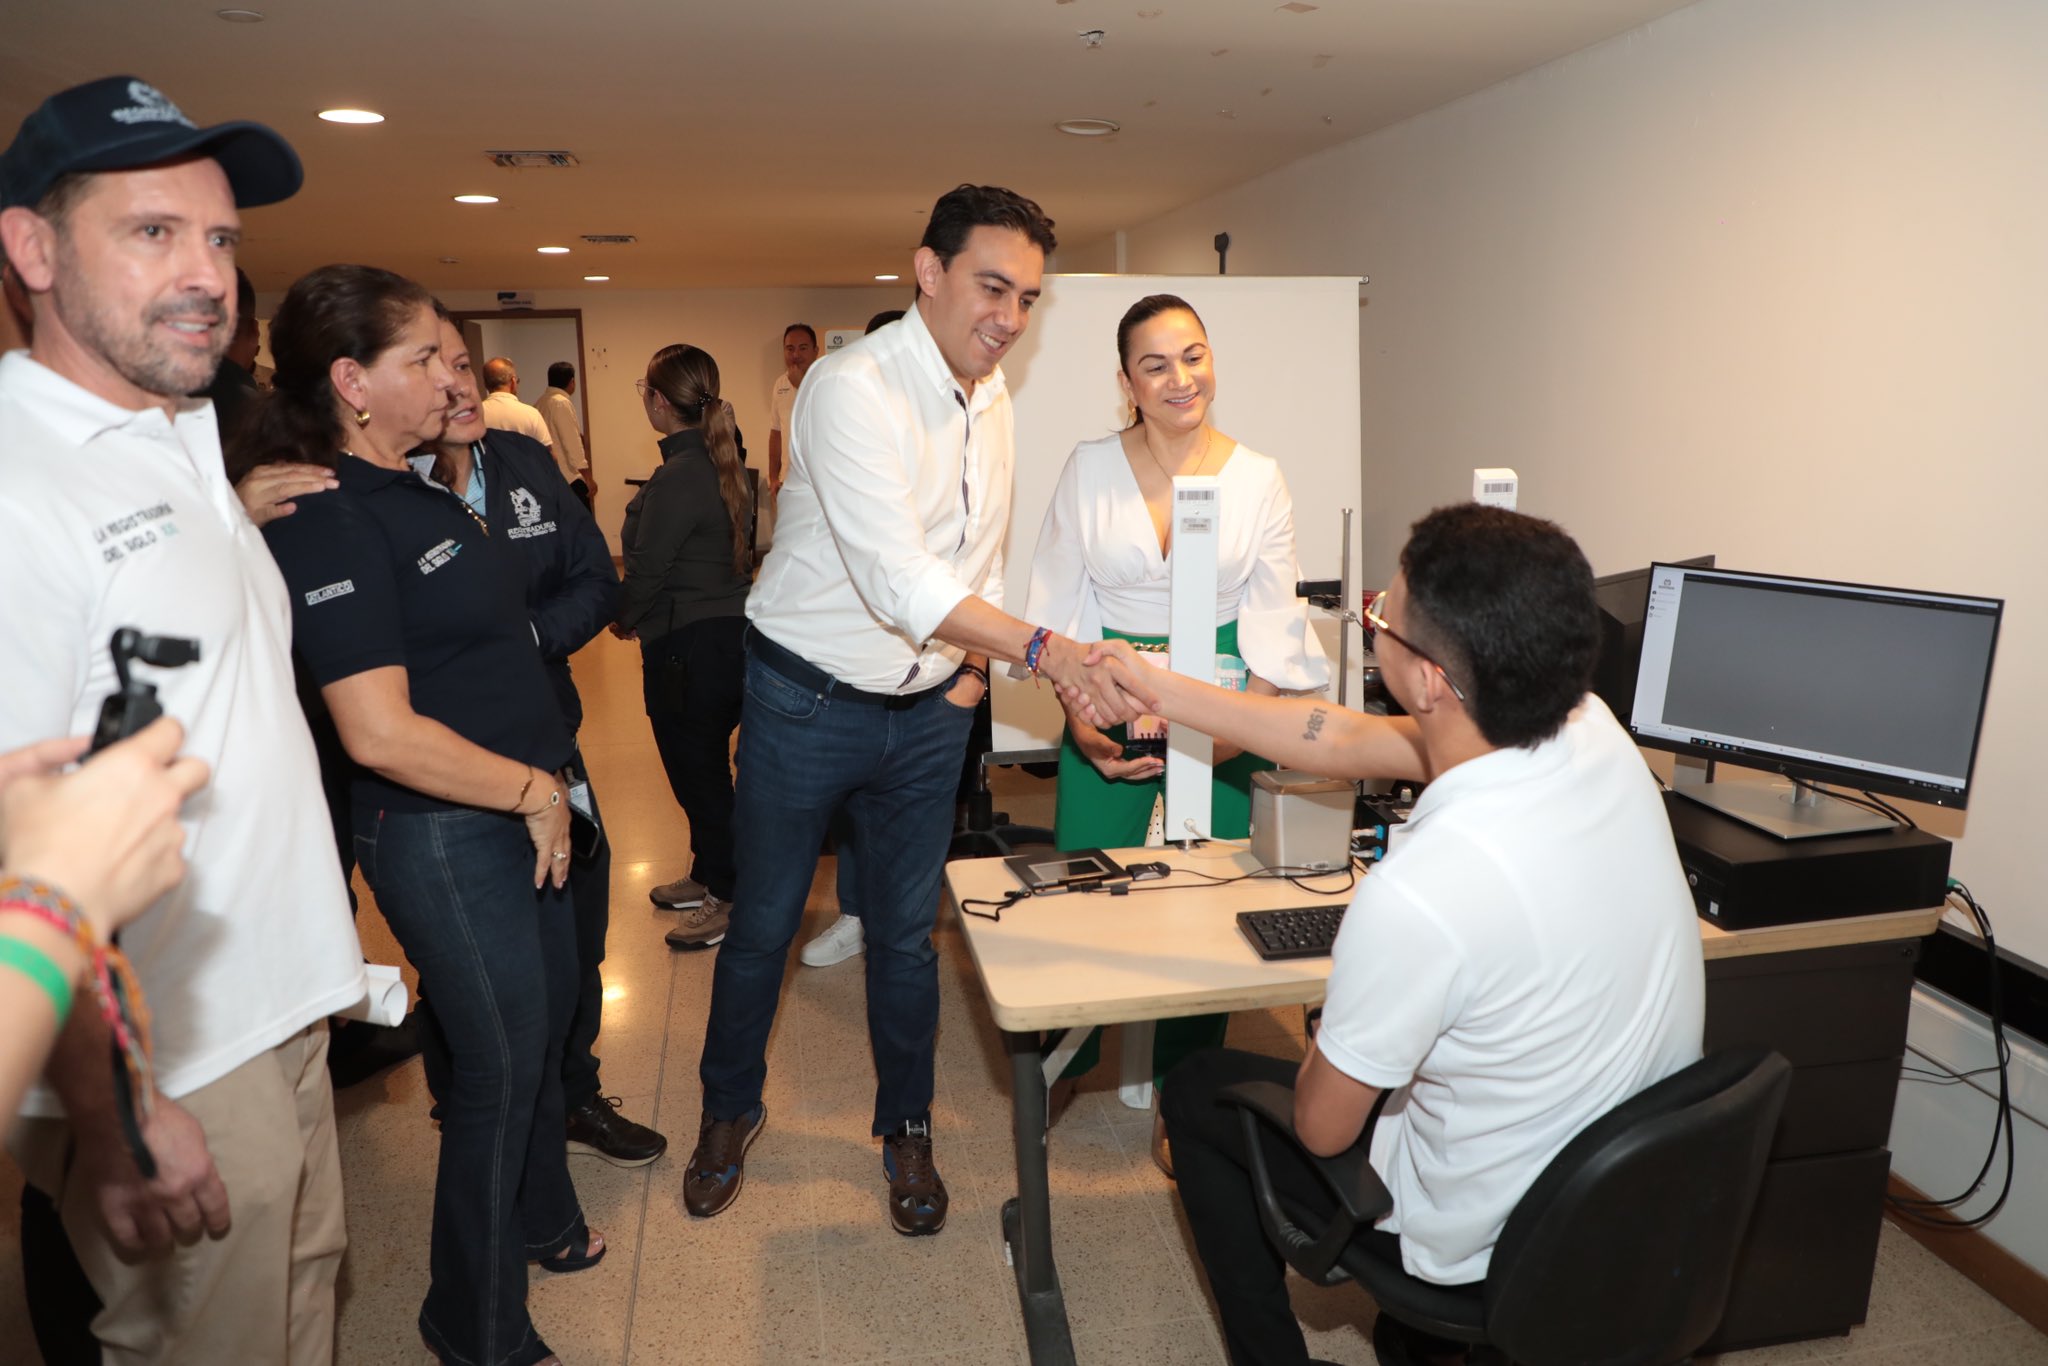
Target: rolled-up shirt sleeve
(865, 483)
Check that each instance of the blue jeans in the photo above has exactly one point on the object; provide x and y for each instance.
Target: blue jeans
(801, 757)
(499, 960)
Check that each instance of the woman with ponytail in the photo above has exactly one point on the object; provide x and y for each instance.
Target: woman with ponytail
(688, 547)
(409, 613)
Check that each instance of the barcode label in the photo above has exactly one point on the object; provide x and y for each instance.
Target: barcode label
(1196, 495)
(1497, 486)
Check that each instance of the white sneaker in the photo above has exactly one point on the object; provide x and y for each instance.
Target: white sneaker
(840, 941)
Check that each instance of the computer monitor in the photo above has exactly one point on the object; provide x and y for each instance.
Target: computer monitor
(1875, 688)
(1621, 599)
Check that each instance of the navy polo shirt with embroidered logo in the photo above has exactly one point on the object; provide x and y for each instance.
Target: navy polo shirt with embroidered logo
(388, 570)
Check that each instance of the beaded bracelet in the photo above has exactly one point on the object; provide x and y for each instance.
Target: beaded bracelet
(32, 963)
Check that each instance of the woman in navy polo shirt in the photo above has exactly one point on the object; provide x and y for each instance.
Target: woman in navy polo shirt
(412, 619)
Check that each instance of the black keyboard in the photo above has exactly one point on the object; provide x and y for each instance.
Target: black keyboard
(1295, 932)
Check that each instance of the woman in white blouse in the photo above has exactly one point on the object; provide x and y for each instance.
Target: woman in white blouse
(1102, 569)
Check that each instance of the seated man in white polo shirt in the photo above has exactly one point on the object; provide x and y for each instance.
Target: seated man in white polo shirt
(1525, 960)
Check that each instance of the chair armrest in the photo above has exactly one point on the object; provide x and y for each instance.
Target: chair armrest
(1362, 1198)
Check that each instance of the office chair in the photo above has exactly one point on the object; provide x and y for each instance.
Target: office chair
(1621, 1252)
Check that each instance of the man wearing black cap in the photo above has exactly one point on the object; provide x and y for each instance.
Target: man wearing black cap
(119, 216)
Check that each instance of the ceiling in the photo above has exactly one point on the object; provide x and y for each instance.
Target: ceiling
(769, 142)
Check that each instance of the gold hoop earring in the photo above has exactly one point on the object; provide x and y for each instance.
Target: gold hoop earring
(362, 417)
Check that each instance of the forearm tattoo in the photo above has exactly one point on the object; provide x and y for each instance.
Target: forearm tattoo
(1316, 719)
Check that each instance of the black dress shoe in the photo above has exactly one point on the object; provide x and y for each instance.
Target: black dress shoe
(596, 1127)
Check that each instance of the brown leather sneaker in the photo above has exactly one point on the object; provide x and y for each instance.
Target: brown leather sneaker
(717, 1168)
(917, 1197)
(702, 927)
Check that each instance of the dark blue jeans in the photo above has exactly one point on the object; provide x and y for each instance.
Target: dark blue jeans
(801, 758)
(499, 960)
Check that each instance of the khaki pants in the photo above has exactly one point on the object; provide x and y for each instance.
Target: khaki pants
(264, 1292)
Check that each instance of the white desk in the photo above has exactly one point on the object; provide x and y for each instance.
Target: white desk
(1060, 962)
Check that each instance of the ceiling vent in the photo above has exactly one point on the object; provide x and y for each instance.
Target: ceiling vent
(610, 239)
(525, 161)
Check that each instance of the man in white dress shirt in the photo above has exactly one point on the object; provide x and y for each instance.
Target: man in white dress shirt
(872, 624)
(565, 431)
(799, 350)
(505, 411)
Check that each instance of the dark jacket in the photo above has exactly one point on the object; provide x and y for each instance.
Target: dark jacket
(572, 591)
(678, 545)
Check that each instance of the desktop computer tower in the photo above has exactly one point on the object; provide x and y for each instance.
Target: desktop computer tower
(1742, 878)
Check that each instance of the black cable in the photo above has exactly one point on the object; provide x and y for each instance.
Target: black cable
(1894, 812)
(1298, 876)
(1009, 899)
(1867, 802)
(1917, 1210)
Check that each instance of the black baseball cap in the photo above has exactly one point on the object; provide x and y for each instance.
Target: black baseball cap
(118, 123)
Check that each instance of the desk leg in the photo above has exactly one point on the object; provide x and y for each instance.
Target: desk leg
(1027, 1219)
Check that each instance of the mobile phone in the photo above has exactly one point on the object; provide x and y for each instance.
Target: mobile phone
(586, 834)
(1145, 747)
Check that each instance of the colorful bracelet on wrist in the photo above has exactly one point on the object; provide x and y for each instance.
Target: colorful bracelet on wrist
(1035, 649)
(32, 963)
(112, 978)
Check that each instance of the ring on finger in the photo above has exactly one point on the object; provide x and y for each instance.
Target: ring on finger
(558, 856)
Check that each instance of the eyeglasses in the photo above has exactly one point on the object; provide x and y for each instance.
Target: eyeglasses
(1376, 626)
(641, 387)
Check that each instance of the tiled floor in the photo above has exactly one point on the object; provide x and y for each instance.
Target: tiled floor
(804, 1267)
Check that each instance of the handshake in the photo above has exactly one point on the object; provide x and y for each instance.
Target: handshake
(1103, 682)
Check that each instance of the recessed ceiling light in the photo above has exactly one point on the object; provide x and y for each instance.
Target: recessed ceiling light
(885, 279)
(597, 279)
(240, 16)
(552, 251)
(1088, 128)
(351, 116)
(476, 199)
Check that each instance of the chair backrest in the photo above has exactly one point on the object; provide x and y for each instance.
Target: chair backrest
(1622, 1251)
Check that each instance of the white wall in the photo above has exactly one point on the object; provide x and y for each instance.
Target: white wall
(1762, 279)
(1765, 279)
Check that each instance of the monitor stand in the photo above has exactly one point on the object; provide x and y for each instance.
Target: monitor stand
(1796, 812)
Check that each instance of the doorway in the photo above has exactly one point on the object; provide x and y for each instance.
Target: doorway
(532, 339)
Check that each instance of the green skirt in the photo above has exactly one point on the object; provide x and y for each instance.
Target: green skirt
(1097, 812)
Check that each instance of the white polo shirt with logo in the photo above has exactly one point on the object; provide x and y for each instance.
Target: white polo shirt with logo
(1527, 959)
(112, 518)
